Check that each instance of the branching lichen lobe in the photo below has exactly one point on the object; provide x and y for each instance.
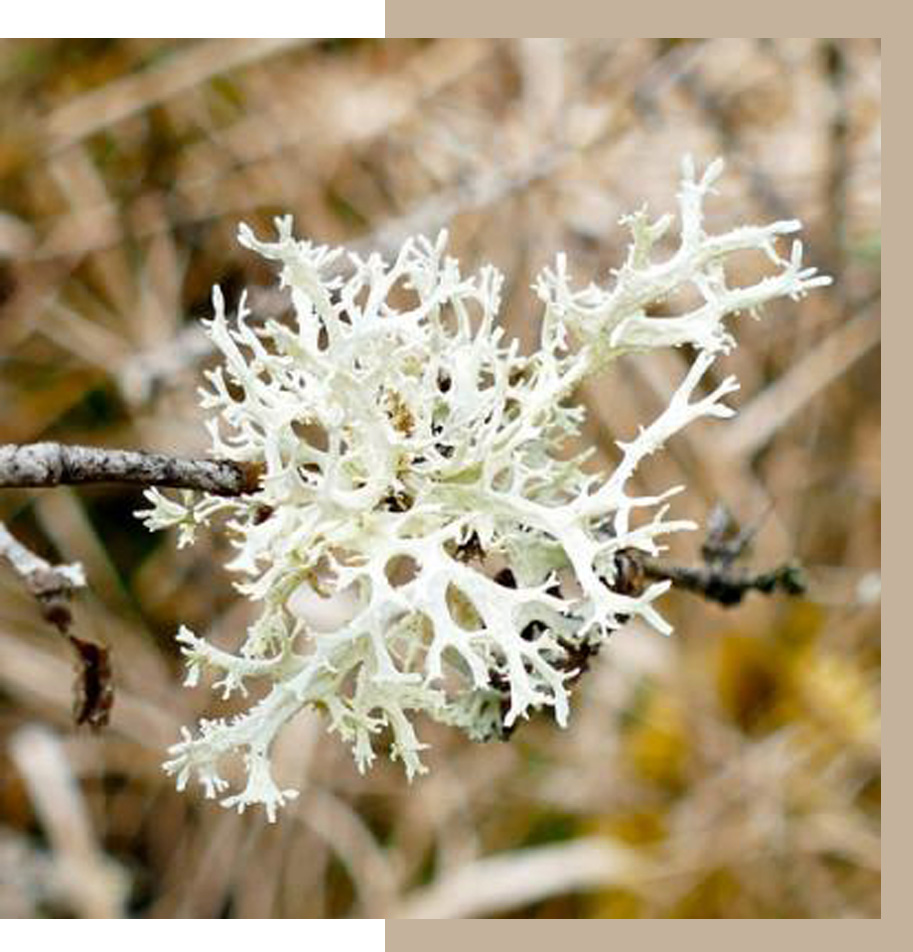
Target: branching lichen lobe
(445, 449)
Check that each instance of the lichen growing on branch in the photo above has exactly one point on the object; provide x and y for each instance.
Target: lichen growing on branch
(417, 481)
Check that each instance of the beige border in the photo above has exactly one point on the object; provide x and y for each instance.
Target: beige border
(441, 19)
(421, 17)
(508, 935)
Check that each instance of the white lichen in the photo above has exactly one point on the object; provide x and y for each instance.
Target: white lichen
(415, 471)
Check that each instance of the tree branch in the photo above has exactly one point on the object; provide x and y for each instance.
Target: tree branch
(53, 587)
(725, 584)
(718, 578)
(56, 464)
(42, 465)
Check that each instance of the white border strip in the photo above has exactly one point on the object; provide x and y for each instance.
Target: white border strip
(238, 935)
(313, 18)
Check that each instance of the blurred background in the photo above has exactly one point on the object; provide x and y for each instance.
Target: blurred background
(730, 771)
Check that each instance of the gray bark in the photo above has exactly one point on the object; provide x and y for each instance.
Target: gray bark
(56, 464)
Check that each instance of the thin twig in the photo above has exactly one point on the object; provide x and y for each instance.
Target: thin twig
(53, 587)
(57, 464)
(726, 585)
(41, 465)
(719, 578)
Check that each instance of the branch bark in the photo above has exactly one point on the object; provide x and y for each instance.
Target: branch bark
(42, 465)
(726, 585)
(56, 464)
(719, 578)
(36, 465)
(53, 587)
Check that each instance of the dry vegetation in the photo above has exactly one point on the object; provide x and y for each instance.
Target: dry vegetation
(731, 771)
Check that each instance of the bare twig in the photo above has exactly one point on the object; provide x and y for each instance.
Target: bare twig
(719, 578)
(53, 586)
(725, 584)
(42, 465)
(56, 464)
